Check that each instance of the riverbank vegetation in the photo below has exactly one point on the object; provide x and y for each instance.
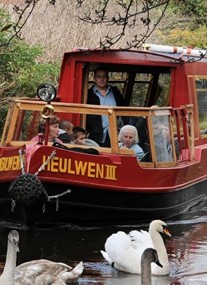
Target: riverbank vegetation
(21, 69)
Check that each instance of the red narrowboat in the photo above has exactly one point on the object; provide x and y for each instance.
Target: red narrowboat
(45, 182)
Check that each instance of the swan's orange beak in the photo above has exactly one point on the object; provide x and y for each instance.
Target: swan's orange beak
(166, 231)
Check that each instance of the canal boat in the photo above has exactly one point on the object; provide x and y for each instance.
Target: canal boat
(48, 182)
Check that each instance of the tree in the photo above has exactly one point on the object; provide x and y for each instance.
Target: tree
(62, 25)
(20, 69)
(190, 30)
(24, 10)
(132, 17)
(129, 17)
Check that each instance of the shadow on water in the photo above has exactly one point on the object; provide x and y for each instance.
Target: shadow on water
(187, 250)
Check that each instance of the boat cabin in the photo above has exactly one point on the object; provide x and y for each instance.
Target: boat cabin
(164, 85)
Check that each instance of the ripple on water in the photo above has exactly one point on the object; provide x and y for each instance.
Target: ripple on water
(188, 252)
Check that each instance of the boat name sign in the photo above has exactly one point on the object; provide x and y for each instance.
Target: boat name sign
(10, 163)
(81, 168)
(66, 165)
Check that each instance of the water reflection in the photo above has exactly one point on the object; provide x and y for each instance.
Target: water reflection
(188, 253)
(187, 250)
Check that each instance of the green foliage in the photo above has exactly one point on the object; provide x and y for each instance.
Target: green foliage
(185, 37)
(185, 24)
(21, 70)
(195, 8)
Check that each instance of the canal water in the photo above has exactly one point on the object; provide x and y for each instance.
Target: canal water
(187, 250)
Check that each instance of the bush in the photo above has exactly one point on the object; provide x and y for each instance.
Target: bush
(21, 70)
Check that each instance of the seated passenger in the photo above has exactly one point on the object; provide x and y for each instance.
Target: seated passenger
(162, 139)
(140, 124)
(128, 138)
(91, 142)
(66, 130)
(79, 135)
(53, 131)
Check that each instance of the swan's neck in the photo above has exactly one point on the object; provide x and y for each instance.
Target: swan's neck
(159, 245)
(8, 274)
(146, 273)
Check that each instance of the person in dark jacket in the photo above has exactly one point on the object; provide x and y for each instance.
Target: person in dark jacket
(101, 94)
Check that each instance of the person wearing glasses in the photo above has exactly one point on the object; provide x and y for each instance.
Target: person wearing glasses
(101, 94)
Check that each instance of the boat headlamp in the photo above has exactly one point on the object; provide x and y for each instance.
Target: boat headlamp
(46, 92)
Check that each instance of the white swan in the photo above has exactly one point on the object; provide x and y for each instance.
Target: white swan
(35, 272)
(123, 251)
(149, 255)
(7, 277)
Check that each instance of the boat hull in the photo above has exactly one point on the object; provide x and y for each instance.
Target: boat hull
(89, 206)
(105, 189)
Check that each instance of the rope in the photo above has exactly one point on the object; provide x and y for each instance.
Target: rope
(59, 195)
(57, 199)
(13, 205)
(21, 161)
(41, 167)
(45, 163)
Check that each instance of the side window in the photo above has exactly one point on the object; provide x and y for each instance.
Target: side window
(150, 89)
(162, 138)
(140, 89)
(201, 92)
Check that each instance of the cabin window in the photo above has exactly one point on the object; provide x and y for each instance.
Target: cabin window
(201, 92)
(156, 136)
(150, 89)
(162, 138)
(140, 87)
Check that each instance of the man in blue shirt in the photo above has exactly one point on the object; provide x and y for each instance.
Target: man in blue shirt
(101, 94)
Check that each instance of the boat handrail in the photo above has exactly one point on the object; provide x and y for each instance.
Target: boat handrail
(167, 114)
(123, 151)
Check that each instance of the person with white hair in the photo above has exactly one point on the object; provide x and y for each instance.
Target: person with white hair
(128, 138)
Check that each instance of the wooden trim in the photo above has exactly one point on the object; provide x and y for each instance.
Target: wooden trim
(7, 123)
(100, 149)
(13, 122)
